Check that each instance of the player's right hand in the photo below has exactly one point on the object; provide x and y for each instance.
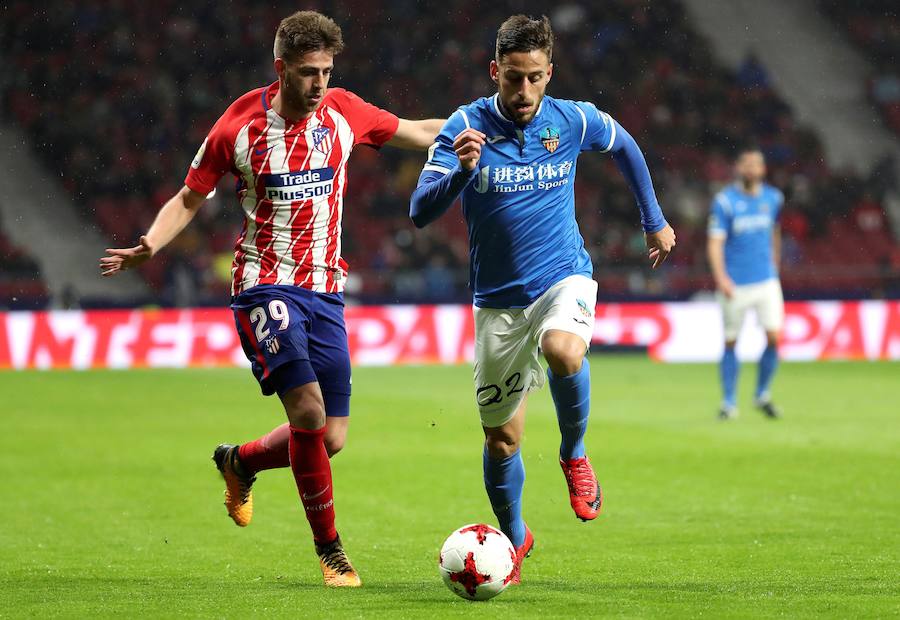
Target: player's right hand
(121, 259)
(726, 287)
(468, 148)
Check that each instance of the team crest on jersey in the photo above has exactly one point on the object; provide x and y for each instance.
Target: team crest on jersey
(550, 138)
(322, 139)
(582, 305)
(272, 345)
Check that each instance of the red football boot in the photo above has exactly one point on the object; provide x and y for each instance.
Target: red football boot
(585, 494)
(522, 552)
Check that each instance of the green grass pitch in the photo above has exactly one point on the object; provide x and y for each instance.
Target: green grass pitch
(110, 505)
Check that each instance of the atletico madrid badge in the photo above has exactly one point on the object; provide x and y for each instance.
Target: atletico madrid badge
(550, 138)
(322, 139)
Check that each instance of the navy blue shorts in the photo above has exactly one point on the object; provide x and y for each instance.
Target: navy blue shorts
(293, 336)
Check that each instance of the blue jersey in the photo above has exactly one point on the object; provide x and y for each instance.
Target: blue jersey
(746, 222)
(520, 207)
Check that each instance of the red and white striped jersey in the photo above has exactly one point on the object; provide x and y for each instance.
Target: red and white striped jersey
(292, 177)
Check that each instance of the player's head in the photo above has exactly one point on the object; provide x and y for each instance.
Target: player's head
(522, 65)
(750, 165)
(305, 46)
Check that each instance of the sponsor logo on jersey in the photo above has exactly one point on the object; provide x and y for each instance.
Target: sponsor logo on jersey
(322, 139)
(265, 150)
(550, 138)
(506, 179)
(751, 223)
(303, 185)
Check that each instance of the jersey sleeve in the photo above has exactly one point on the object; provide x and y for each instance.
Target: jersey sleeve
(598, 131)
(719, 220)
(371, 125)
(212, 161)
(779, 204)
(441, 156)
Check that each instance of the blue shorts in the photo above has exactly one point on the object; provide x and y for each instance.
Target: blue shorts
(293, 336)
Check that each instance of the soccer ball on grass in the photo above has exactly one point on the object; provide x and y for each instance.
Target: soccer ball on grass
(477, 562)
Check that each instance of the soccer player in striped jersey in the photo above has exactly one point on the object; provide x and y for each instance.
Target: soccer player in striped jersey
(288, 145)
(512, 159)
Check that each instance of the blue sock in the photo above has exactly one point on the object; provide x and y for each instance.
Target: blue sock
(572, 397)
(503, 480)
(728, 370)
(768, 363)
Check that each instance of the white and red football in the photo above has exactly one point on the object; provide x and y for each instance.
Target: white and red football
(477, 562)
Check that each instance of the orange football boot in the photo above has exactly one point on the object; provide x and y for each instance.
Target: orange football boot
(238, 493)
(336, 568)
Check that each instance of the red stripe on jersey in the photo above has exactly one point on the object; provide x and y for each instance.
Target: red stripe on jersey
(286, 241)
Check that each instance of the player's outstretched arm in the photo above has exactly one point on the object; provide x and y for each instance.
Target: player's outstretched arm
(437, 191)
(416, 135)
(660, 237)
(171, 220)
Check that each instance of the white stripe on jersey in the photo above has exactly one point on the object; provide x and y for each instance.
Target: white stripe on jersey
(282, 241)
(345, 134)
(465, 119)
(249, 203)
(583, 122)
(612, 134)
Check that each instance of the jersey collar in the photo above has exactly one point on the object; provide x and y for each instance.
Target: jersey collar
(495, 108)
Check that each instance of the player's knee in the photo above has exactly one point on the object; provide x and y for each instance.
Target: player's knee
(334, 444)
(304, 408)
(729, 344)
(564, 355)
(501, 445)
(772, 339)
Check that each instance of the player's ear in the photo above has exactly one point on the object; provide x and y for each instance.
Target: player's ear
(279, 67)
(495, 72)
(550, 72)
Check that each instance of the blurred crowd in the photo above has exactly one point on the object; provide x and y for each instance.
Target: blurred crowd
(874, 26)
(118, 96)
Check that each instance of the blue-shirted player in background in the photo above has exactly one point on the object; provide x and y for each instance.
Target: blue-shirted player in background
(512, 158)
(744, 248)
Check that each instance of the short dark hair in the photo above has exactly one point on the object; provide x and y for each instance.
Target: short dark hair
(307, 31)
(521, 33)
(749, 147)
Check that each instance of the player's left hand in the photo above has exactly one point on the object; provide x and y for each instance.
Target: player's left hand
(121, 259)
(660, 245)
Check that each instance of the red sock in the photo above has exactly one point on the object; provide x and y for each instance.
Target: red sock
(312, 472)
(268, 452)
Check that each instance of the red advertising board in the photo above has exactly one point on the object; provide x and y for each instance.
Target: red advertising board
(383, 335)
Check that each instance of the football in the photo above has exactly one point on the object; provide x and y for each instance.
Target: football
(477, 561)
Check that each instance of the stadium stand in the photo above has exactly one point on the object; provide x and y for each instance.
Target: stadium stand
(874, 26)
(124, 126)
(21, 284)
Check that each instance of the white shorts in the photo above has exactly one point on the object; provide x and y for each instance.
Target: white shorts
(507, 365)
(766, 300)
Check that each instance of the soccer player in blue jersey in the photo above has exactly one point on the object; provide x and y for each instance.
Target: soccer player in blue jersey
(744, 248)
(512, 158)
